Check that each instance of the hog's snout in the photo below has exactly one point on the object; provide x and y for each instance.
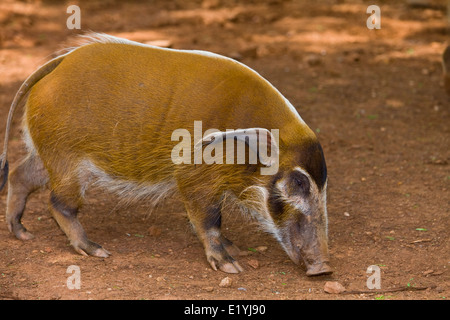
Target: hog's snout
(316, 262)
(314, 254)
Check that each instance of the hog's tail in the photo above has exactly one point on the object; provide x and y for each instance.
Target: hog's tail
(23, 90)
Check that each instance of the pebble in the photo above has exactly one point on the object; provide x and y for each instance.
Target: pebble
(333, 287)
(346, 214)
(226, 282)
(209, 289)
(253, 263)
(261, 248)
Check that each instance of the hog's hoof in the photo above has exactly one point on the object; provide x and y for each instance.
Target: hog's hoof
(318, 269)
(231, 267)
(25, 235)
(91, 249)
(227, 267)
(20, 232)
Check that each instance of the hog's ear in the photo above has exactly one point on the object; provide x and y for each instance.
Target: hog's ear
(260, 140)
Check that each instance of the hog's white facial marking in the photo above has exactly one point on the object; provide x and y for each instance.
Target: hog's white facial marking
(297, 202)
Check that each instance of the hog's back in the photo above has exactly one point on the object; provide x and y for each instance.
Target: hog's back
(118, 104)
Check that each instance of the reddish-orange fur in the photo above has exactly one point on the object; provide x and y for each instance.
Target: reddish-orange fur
(111, 106)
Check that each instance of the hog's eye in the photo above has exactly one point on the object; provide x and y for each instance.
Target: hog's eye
(299, 183)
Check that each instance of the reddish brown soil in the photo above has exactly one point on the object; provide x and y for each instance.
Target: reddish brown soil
(374, 97)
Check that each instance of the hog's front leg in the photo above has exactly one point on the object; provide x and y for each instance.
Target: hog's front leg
(206, 221)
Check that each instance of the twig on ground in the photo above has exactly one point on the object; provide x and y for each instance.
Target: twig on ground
(375, 291)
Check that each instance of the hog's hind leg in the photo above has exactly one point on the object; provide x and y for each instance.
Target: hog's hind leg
(65, 201)
(26, 178)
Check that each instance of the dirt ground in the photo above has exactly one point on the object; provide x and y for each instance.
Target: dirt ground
(375, 99)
